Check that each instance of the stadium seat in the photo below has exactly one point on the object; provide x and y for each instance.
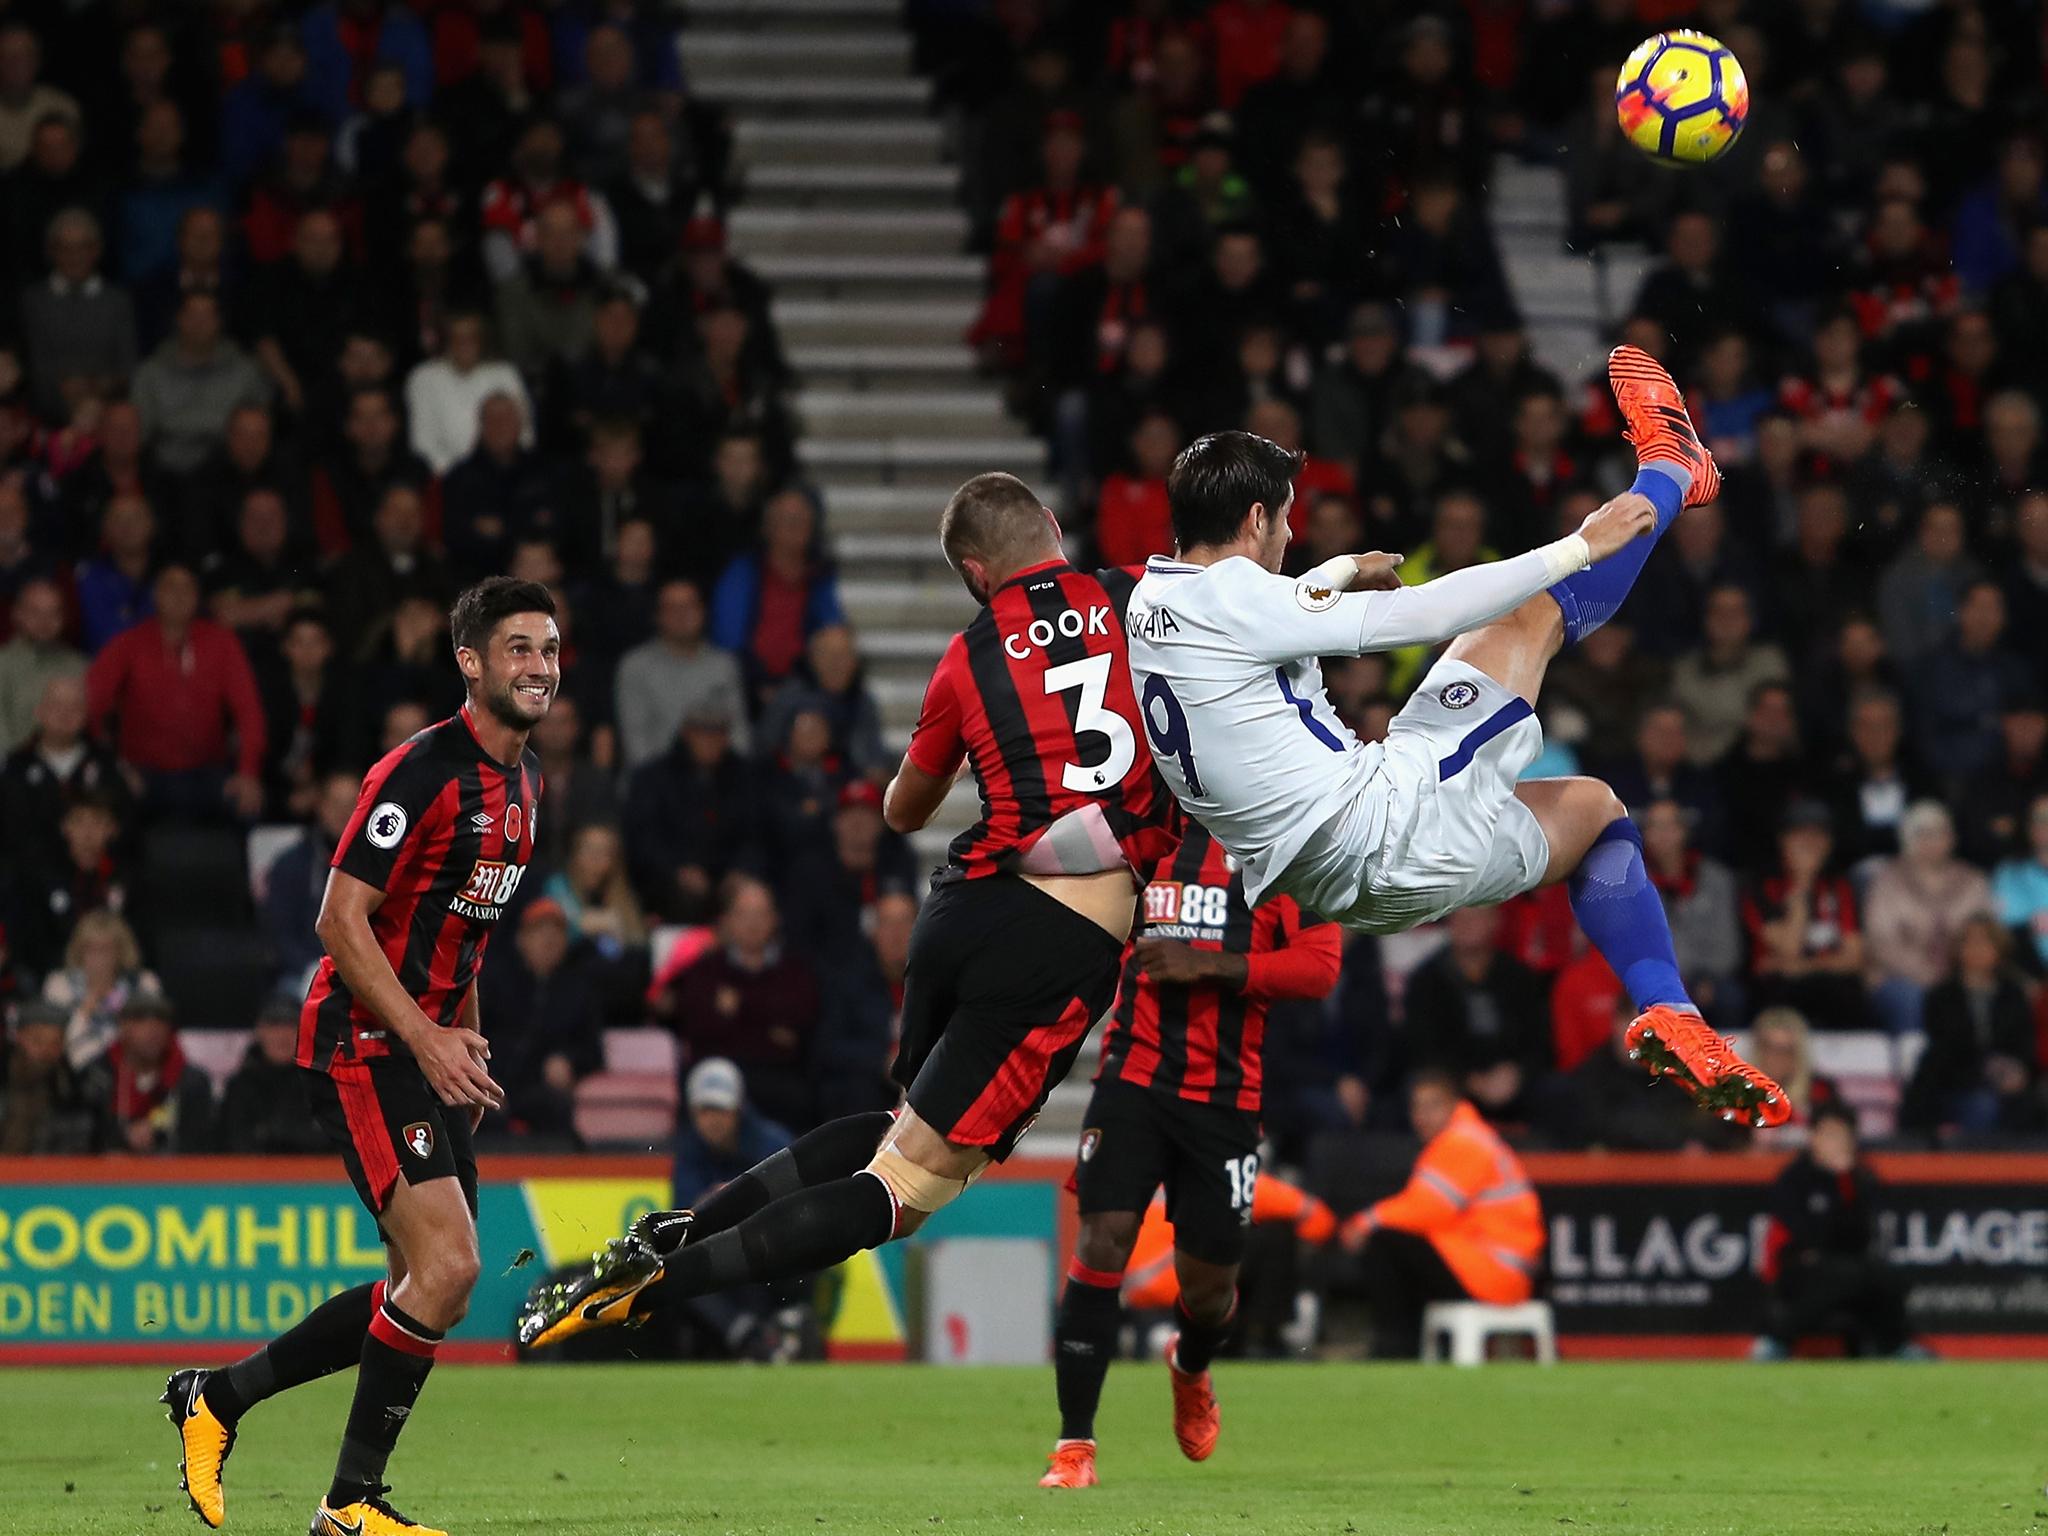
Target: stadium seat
(1853, 1053)
(626, 1109)
(183, 870)
(218, 976)
(265, 844)
(216, 1052)
(645, 1052)
(1461, 1330)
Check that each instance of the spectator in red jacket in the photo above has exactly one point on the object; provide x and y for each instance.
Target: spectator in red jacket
(1247, 36)
(1131, 521)
(1806, 944)
(172, 689)
(1043, 234)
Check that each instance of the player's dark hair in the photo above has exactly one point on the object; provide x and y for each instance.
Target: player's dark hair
(996, 518)
(478, 611)
(1217, 478)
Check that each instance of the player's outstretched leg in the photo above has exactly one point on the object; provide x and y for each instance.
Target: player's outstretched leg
(206, 1406)
(615, 1287)
(1673, 470)
(1596, 847)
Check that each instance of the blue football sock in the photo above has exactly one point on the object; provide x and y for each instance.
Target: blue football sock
(1591, 597)
(1619, 908)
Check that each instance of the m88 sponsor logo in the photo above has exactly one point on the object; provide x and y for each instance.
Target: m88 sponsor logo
(1169, 903)
(490, 885)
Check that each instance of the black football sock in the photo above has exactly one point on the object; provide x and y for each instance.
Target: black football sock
(1199, 1341)
(1084, 1339)
(799, 1234)
(325, 1340)
(833, 1151)
(398, 1351)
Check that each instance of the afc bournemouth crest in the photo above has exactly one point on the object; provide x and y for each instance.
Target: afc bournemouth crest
(419, 1139)
(1459, 695)
(1090, 1140)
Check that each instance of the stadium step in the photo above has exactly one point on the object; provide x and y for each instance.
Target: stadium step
(887, 230)
(873, 604)
(852, 215)
(883, 549)
(921, 645)
(896, 367)
(1572, 303)
(838, 141)
(935, 461)
(846, 94)
(788, 271)
(780, 52)
(852, 187)
(852, 412)
(885, 511)
(851, 322)
(804, 185)
(1526, 195)
(812, 15)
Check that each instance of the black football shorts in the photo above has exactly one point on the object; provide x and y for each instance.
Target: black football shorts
(389, 1124)
(1206, 1155)
(1003, 986)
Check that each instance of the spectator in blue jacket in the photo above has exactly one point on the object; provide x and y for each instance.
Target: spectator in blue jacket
(722, 1135)
(2021, 886)
(256, 113)
(114, 589)
(297, 881)
(772, 599)
(345, 39)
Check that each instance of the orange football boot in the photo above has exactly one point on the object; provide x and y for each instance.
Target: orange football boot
(1073, 1465)
(1657, 424)
(1196, 1420)
(1680, 1046)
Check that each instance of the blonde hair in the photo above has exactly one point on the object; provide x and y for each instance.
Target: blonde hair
(1925, 816)
(617, 896)
(109, 925)
(1799, 1086)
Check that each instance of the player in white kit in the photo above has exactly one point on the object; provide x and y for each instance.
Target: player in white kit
(1383, 837)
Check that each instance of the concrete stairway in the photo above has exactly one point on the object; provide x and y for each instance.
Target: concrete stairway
(1572, 303)
(849, 208)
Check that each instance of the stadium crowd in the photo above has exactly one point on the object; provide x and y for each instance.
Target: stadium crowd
(320, 311)
(1825, 702)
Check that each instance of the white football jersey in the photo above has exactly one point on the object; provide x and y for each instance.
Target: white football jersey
(1224, 661)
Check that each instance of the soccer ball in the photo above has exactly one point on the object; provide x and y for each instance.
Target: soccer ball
(1682, 98)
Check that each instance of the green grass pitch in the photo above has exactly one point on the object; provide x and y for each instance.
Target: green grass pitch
(1341, 1449)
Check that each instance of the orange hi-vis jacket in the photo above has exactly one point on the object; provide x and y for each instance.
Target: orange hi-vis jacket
(1469, 1196)
(1149, 1281)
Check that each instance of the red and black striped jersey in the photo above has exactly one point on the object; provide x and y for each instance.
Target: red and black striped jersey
(1203, 1040)
(1036, 693)
(444, 830)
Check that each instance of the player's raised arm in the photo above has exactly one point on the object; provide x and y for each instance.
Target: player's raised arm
(451, 1059)
(936, 750)
(1434, 611)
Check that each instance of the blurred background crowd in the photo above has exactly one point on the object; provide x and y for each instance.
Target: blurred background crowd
(317, 312)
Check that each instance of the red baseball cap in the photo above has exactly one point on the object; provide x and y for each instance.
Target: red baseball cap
(860, 792)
